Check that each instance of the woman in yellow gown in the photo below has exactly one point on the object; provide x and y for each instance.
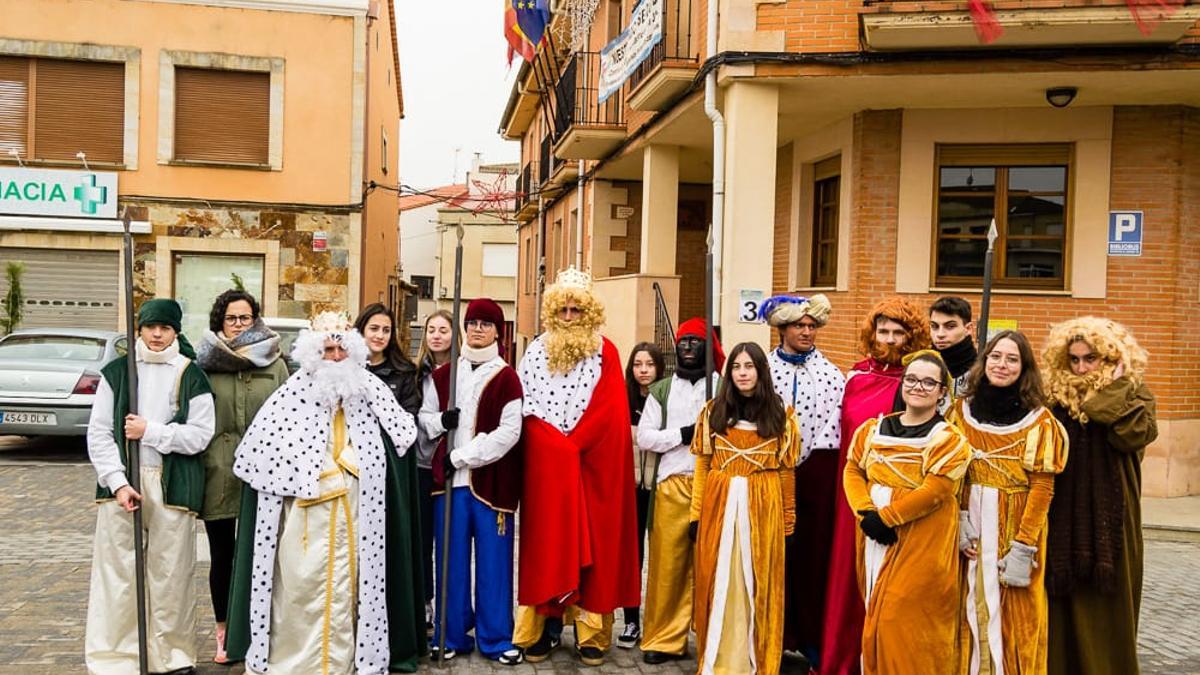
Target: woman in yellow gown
(1018, 446)
(902, 478)
(743, 505)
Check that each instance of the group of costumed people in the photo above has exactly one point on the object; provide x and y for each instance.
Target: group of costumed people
(937, 509)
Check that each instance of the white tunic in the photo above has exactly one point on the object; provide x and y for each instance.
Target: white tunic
(684, 403)
(814, 390)
(471, 450)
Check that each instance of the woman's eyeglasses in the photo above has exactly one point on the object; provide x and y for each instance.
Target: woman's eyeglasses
(238, 318)
(913, 382)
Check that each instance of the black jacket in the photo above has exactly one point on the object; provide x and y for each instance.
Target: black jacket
(401, 378)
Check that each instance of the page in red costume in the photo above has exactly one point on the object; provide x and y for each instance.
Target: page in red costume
(870, 392)
(578, 513)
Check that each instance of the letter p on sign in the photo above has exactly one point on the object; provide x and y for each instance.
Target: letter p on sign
(1125, 233)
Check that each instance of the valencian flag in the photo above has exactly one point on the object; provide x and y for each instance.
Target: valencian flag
(525, 24)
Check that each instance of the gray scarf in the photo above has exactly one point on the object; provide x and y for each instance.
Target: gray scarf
(257, 347)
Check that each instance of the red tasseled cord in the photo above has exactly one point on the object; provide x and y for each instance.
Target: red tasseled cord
(986, 25)
(1148, 13)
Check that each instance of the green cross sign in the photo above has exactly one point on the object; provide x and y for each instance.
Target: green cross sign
(89, 195)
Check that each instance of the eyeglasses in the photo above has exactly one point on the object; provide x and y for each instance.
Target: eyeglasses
(913, 382)
(238, 318)
(480, 324)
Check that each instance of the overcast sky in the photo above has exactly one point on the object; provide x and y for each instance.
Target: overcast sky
(456, 79)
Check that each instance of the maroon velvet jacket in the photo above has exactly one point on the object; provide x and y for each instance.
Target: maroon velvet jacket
(498, 484)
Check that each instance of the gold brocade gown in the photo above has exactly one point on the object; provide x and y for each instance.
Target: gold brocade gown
(1007, 494)
(912, 587)
(743, 496)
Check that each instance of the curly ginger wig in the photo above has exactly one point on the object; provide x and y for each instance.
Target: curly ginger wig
(1109, 340)
(904, 312)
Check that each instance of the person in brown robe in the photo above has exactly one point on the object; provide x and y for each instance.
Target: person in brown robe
(1095, 380)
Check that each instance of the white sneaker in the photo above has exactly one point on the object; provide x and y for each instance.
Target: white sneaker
(630, 636)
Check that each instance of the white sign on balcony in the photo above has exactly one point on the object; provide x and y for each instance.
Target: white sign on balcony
(627, 51)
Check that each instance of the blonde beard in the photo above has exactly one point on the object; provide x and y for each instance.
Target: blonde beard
(1072, 391)
(566, 346)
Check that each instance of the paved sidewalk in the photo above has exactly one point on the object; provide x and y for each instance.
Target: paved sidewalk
(45, 554)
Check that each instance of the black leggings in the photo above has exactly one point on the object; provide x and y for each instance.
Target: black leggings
(425, 480)
(633, 614)
(220, 549)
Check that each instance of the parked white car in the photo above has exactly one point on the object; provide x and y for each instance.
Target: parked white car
(49, 377)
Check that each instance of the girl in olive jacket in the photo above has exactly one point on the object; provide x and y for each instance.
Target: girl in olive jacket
(241, 357)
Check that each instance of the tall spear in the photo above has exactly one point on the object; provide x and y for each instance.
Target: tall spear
(451, 402)
(132, 449)
(709, 318)
(985, 305)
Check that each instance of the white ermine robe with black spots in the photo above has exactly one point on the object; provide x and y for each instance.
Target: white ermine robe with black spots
(317, 600)
(812, 387)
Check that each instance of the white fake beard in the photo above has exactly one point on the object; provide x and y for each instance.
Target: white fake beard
(339, 381)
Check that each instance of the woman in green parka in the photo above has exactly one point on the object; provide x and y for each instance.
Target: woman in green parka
(241, 357)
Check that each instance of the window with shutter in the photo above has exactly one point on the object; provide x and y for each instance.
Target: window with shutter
(51, 109)
(222, 116)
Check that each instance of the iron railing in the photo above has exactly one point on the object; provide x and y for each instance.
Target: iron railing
(676, 45)
(577, 97)
(664, 332)
(547, 162)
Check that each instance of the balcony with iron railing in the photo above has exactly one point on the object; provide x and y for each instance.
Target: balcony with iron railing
(584, 126)
(918, 25)
(672, 64)
(526, 191)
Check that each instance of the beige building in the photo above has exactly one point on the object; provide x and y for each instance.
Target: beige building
(489, 268)
(866, 148)
(237, 147)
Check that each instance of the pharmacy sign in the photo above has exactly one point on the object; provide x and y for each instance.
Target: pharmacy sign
(51, 192)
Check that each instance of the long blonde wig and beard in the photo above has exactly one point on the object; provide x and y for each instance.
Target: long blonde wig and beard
(1109, 340)
(568, 343)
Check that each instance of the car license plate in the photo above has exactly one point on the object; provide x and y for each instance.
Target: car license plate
(47, 419)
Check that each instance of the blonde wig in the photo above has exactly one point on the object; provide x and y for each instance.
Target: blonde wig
(568, 343)
(1109, 340)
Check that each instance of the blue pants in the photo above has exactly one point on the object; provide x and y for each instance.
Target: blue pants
(492, 615)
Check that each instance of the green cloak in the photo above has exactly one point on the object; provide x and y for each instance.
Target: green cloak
(182, 475)
(405, 594)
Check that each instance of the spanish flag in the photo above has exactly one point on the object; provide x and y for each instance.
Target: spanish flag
(525, 24)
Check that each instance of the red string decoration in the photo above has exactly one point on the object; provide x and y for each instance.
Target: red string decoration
(1147, 14)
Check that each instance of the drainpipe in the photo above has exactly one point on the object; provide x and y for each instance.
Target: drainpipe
(718, 204)
(579, 219)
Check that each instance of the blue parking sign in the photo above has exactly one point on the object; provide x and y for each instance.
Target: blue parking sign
(1125, 233)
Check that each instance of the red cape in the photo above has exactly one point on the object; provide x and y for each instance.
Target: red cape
(870, 392)
(578, 515)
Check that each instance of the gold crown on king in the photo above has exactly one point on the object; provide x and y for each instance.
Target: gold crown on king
(573, 278)
(331, 322)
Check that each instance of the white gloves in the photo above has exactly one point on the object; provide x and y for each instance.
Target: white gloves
(967, 536)
(1017, 566)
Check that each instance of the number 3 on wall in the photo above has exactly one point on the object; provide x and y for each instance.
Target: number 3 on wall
(750, 301)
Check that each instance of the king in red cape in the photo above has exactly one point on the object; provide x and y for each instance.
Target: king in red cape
(578, 512)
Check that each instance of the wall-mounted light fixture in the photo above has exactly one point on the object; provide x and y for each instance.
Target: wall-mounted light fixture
(1061, 97)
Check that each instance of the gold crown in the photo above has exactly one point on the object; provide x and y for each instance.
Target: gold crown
(573, 278)
(331, 322)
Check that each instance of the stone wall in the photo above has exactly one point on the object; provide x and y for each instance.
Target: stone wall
(308, 281)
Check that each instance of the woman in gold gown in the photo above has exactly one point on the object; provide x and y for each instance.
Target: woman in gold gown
(1018, 447)
(902, 478)
(743, 505)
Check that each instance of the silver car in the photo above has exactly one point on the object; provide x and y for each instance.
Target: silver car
(49, 377)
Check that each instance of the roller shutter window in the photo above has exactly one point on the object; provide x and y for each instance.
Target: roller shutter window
(71, 288)
(222, 116)
(73, 106)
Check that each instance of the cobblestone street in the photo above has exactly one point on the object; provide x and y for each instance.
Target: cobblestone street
(47, 541)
